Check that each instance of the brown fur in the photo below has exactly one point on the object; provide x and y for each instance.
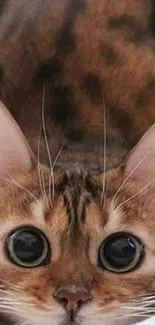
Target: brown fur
(76, 223)
(74, 258)
(85, 52)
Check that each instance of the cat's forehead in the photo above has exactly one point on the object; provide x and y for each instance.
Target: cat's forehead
(77, 202)
(79, 196)
(27, 191)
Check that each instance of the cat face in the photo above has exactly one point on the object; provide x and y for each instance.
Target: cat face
(69, 253)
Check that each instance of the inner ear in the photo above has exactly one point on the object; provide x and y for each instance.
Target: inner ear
(140, 163)
(15, 153)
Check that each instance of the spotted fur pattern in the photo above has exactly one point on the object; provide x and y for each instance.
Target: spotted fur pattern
(87, 54)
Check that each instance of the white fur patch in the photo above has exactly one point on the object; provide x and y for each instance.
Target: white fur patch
(150, 321)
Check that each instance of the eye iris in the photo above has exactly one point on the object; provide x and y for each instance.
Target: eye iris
(120, 253)
(27, 247)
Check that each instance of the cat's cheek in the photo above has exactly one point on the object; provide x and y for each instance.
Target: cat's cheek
(54, 320)
(35, 316)
(103, 320)
(99, 320)
(93, 314)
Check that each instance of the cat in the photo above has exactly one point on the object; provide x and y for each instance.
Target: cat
(85, 68)
(76, 247)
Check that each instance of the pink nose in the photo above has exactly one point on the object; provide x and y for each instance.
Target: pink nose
(72, 297)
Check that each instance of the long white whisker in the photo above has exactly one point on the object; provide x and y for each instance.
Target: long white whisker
(40, 175)
(138, 308)
(10, 310)
(52, 171)
(10, 303)
(58, 154)
(13, 286)
(127, 178)
(103, 195)
(134, 315)
(47, 147)
(147, 297)
(12, 181)
(38, 163)
(133, 196)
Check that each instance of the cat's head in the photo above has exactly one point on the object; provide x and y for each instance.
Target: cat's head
(69, 253)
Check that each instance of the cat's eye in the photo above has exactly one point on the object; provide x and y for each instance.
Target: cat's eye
(120, 253)
(27, 247)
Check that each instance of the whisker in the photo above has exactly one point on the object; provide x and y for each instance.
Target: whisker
(52, 171)
(115, 317)
(40, 175)
(10, 310)
(14, 308)
(103, 195)
(136, 194)
(47, 147)
(127, 178)
(147, 302)
(38, 163)
(13, 286)
(58, 154)
(148, 298)
(12, 181)
(142, 298)
(134, 315)
(138, 309)
(9, 303)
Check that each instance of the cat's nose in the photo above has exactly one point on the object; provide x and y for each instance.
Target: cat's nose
(72, 296)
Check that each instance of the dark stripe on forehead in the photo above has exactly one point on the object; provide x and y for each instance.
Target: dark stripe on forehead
(73, 195)
(77, 190)
(71, 203)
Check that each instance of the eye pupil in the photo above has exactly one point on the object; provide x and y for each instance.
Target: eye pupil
(27, 247)
(120, 253)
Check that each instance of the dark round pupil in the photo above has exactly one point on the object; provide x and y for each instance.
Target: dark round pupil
(28, 246)
(119, 251)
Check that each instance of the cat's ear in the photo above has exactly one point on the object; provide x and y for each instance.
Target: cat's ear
(15, 153)
(140, 163)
